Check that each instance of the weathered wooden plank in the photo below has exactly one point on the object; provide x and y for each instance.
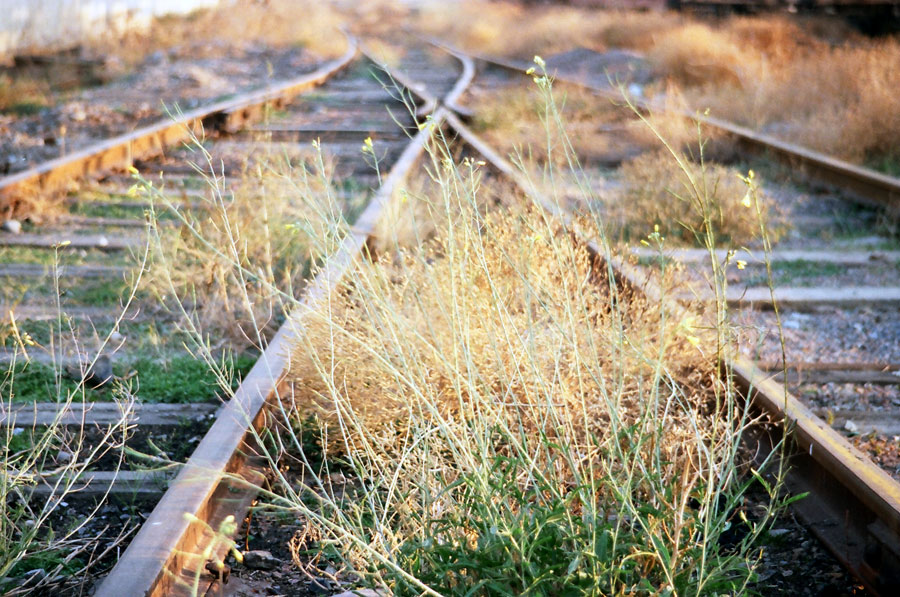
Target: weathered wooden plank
(36, 270)
(103, 413)
(93, 484)
(862, 422)
(802, 298)
(849, 257)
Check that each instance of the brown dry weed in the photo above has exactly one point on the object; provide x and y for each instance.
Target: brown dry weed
(659, 195)
(488, 330)
(236, 252)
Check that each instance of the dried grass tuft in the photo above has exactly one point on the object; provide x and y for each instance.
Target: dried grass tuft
(241, 254)
(490, 330)
(659, 194)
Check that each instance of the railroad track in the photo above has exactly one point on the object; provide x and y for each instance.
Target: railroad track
(862, 184)
(854, 505)
(859, 501)
(220, 477)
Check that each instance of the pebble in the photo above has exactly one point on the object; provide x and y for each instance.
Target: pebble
(260, 559)
(320, 586)
(11, 226)
(778, 532)
(157, 57)
(99, 373)
(63, 456)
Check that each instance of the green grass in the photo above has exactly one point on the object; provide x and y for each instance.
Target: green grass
(72, 290)
(25, 108)
(40, 256)
(89, 210)
(46, 560)
(887, 164)
(788, 272)
(148, 336)
(178, 379)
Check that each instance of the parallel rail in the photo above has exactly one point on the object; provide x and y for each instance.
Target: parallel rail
(121, 151)
(220, 478)
(854, 506)
(863, 184)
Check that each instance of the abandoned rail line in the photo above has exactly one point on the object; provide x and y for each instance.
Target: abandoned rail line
(853, 506)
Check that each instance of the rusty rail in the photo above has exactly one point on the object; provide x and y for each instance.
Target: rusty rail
(121, 151)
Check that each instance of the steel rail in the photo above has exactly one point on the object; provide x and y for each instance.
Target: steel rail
(121, 151)
(430, 102)
(166, 552)
(862, 184)
(854, 506)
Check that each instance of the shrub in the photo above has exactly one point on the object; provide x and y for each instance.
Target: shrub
(659, 193)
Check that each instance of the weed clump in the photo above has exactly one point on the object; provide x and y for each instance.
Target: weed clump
(522, 423)
(682, 204)
(239, 255)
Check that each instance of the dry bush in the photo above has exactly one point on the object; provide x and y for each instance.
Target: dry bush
(489, 330)
(636, 30)
(510, 29)
(668, 120)
(241, 254)
(841, 101)
(420, 208)
(512, 119)
(696, 54)
(658, 192)
(773, 75)
(493, 370)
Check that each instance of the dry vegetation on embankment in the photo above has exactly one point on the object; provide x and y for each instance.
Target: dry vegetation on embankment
(652, 190)
(814, 82)
(229, 30)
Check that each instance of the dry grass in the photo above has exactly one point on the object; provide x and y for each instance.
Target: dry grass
(21, 95)
(484, 406)
(512, 120)
(510, 29)
(811, 81)
(773, 75)
(239, 255)
(313, 25)
(460, 315)
(498, 343)
(695, 54)
(659, 194)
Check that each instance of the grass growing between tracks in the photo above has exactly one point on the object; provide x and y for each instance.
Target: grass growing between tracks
(39, 554)
(518, 428)
(809, 81)
(485, 410)
(239, 255)
(53, 544)
(653, 191)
